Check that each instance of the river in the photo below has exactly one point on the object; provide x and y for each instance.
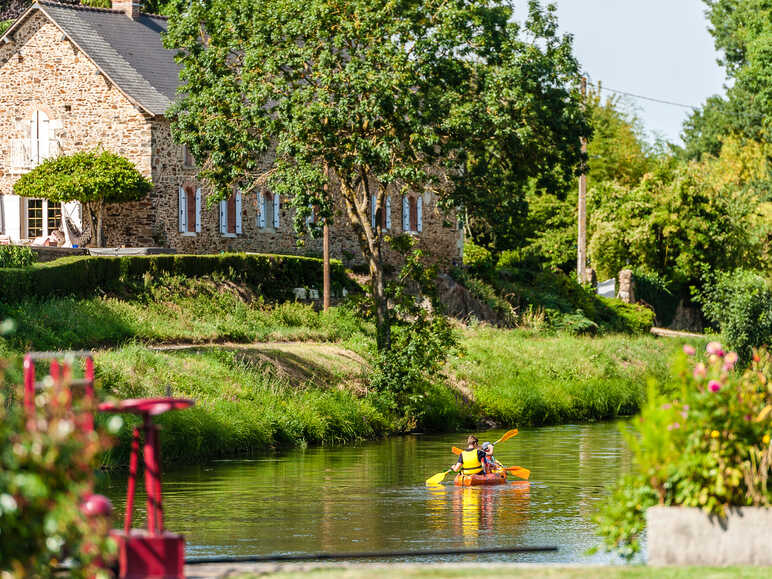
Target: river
(373, 497)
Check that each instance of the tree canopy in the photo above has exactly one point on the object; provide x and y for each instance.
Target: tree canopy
(366, 98)
(91, 177)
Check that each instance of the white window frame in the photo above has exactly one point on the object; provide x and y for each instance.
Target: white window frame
(387, 209)
(182, 200)
(406, 214)
(224, 217)
(45, 232)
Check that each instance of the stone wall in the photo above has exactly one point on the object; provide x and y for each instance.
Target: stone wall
(440, 236)
(41, 70)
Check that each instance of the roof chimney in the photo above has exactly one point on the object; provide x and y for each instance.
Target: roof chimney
(129, 7)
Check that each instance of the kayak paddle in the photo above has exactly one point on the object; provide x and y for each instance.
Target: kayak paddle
(437, 478)
(518, 471)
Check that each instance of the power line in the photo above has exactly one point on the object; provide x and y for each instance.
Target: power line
(638, 96)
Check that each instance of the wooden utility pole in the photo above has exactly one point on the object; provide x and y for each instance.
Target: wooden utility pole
(581, 252)
(326, 256)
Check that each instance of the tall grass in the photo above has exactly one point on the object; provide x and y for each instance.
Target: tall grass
(242, 406)
(520, 377)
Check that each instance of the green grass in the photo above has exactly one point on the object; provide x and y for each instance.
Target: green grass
(242, 405)
(174, 310)
(519, 377)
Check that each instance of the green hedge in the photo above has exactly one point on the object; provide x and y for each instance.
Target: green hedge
(273, 275)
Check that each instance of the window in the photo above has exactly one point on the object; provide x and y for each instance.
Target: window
(230, 215)
(267, 210)
(412, 213)
(37, 144)
(190, 210)
(187, 157)
(43, 217)
(385, 215)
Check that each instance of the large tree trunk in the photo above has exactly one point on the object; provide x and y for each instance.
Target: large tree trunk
(370, 243)
(95, 216)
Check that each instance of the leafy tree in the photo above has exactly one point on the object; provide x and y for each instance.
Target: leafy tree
(370, 97)
(680, 221)
(742, 30)
(93, 177)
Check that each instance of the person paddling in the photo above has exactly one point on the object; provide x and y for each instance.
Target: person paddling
(490, 464)
(470, 461)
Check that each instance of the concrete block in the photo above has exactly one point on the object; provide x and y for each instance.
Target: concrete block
(687, 536)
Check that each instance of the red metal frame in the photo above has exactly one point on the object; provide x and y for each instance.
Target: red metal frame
(154, 552)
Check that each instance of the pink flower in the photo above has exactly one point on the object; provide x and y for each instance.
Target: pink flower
(673, 426)
(700, 371)
(684, 414)
(686, 407)
(689, 350)
(714, 385)
(666, 406)
(714, 348)
(730, 361)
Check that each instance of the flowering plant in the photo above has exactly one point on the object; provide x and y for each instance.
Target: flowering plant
(707, 447)
(47, 466)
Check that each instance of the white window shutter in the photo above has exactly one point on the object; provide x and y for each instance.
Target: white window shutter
(238, 212)
(388, 212)
(420, 211)
(405, 213)
(276, 208)
(223, 217)
(372, 211)
(198, 210)
(261, 210)
(183, 226)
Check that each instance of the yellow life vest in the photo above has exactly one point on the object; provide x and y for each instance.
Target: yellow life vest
(471, 464)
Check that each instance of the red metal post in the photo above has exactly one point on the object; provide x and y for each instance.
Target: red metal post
(88, 394)
(133, 459)
(56, 388)
(29, 386)
(159, 505)
(151, 470)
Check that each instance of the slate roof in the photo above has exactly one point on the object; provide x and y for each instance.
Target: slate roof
(128, 52)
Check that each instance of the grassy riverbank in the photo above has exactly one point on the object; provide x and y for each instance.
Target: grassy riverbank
(253, 393)
(522, 377)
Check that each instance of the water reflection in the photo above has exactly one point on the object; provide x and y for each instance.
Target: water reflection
(373, 497)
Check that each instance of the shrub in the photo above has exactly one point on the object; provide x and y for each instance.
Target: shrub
(46, 469)
(16, 256)
(653, 289)
(273, 275)
(740, 302)
(478, 259)
(709, 448)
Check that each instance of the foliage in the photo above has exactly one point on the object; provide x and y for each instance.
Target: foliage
(274, 276)
(487, 294)
(658, 292)
(5, 25)
(422, 341)
(742, 30)
(708, 448)
(478, 259)
(16, 256)
(46, 470)
(372, 98)
(91, 177)
(678, 222)
(740, 302)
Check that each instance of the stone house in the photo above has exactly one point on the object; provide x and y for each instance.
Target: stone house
(75, 78)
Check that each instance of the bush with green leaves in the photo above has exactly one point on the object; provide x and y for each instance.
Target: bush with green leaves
(16, 256)
(46, 470)
(478, 259)
(707, 445)
(422, 340)
(94, 178)
(740, 303)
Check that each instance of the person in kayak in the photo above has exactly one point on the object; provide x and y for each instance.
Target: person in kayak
(490, 464)
(470, 461)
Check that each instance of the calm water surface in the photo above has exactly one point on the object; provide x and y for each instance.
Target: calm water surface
(373, 497)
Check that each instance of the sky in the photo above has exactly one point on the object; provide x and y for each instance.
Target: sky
(655, 48)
